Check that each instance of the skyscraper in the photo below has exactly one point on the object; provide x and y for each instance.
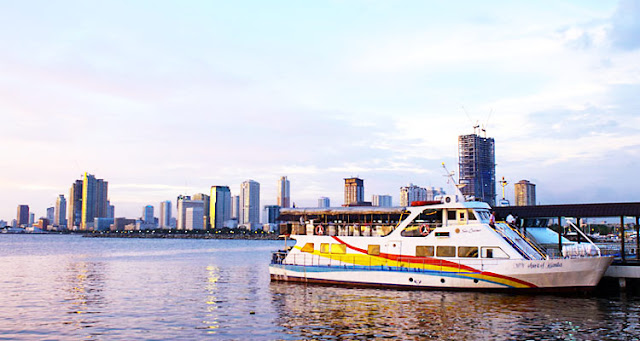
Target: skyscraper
(207, 204)
(353, 191)
(411, 193)
(165, 214)
(525, 193)
(111, 210)
(381, 200)
(220, 210)
(23, 215)
(60, 212)
(190, 213)
(270, 214)
(284, 198)
(235, 207)
(324, 202)
(249, 204)
(477, 167)
(75, 205)
(94, 200)
(51, 212)
(147, 214)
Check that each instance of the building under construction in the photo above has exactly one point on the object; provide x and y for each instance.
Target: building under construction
(477, 167)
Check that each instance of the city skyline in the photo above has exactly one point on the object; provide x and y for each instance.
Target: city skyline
(319, 92)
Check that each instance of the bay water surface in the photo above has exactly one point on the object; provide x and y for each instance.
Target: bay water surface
(66, 287)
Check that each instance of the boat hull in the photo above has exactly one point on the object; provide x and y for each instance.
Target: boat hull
(577, 274)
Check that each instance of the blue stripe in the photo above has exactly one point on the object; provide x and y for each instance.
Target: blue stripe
(325, 268)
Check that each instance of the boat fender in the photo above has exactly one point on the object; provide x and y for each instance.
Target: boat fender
(424, 229)
(319, 230)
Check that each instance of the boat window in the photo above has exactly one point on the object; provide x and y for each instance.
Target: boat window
(424, 251)
(421, 230)
(324, 247)
(373, 250)
(472, 215)
(483, 215)
(493, 252)
(451, 215)
(468, 251)
(446, 251)
(308, 247)
(339, 248)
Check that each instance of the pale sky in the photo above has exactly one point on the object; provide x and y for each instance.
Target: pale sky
(162, 98)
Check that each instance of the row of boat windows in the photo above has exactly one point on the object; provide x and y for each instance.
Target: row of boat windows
(444, 251)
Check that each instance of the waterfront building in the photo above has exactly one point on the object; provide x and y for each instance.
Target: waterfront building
(411, 193)
(94, 200)
(433, 193)
(59, 218)
(165, 214)
(32, 218)
(188, 210)
(249, 208)
(75, 205)
(120, 224)
(42, 224)
(381, 200)
(50, 213)
(23, 215)
(102, 224)
(284, 197)
(14, 223)
(220, 210)
(525, 193)
(477, 164)
(324, 202)
(207, 204)
(235, 207)
(270, 214)
(353, 191)
(3, 223)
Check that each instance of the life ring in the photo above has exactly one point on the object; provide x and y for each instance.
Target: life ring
(424, 229)
(319, 230)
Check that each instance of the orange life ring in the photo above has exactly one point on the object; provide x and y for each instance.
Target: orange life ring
(319, 230)
(424, 229)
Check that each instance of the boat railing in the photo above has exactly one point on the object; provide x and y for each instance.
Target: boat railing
(539, 248)
(582, 250)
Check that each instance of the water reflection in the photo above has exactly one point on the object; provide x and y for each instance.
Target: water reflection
(83, 284)
(211, 322)
(324, 313)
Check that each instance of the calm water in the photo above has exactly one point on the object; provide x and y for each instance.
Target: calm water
(68, 287)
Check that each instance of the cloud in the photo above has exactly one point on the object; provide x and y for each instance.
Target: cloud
(625, 31)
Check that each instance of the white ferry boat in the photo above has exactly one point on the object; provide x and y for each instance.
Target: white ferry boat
(445, 244)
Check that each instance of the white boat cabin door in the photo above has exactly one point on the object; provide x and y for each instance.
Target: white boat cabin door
(393, 247)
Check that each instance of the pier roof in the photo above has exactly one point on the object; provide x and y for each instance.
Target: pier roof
(626, 209)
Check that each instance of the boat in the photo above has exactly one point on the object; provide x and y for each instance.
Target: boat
(445, 244)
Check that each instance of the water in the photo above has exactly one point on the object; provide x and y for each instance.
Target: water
(66, 287)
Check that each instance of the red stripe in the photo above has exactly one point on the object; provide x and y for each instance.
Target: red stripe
(433, 261)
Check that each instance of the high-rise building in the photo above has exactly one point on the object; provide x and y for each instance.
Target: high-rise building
(411, 193)
(190, 213)
(381, 200)
(270, 214)
(207, 204)
(111, 210)
(51, 212)
(75, 205)
(477, 167)
(220, 210)
(353, 191)
(165, 214)
(324, 202)
(59, 218)
(525, 193)
(32, 218)
(147, 214)
(284, 198)
(94, 200)
(249, 204)
(432, 193)
(235, 207)
(23, 215)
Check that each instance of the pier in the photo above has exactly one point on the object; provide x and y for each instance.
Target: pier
(625, 270)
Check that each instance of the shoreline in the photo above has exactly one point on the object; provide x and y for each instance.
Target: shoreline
(245, 236)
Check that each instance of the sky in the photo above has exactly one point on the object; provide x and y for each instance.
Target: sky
(162, 98)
